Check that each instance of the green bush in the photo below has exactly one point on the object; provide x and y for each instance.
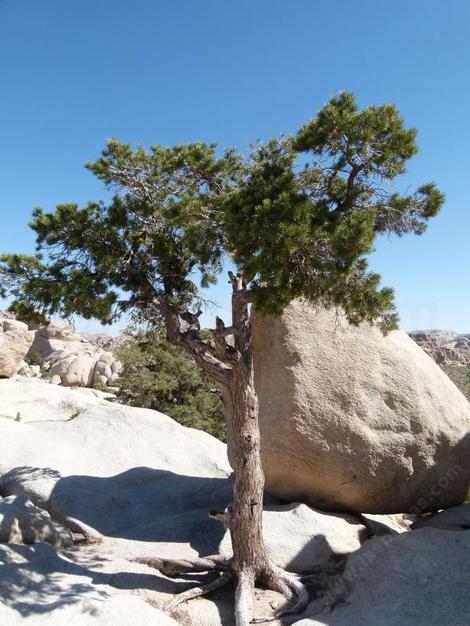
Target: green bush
(35, 359)
(157, 375)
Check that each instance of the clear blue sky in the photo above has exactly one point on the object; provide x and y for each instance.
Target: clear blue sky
(160, 71)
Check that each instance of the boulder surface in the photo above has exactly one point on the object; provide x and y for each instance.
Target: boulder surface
(419, 578)
(300, 539)
(15, 340)
(354, 420)
(39, 586)
(22, 522)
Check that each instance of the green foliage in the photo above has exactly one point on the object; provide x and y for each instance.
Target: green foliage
(306, 232)
(35, 359)
(157, 375)
(297, 215)
(25, 312)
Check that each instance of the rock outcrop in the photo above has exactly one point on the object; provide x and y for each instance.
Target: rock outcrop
(89, 456)
(70, 360)
(15, 340)
(53, 338)
(353, 420)
(146, 483)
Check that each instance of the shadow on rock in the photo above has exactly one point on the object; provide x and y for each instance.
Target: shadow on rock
(37, 580)
(145, 504)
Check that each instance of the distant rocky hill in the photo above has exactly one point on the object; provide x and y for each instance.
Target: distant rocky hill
(105, 341)
(451, 351)
(446, 347)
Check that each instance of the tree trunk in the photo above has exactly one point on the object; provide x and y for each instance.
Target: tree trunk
(251, 562)
(230, 361)
(246, 517)
(245, 520)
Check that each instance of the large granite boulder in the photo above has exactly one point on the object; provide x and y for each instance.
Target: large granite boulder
(15, 340)
(354, 420)
(74, 370)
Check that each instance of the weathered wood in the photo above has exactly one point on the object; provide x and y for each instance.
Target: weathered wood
(174, 567)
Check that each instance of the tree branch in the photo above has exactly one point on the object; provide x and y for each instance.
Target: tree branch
(349, 197)
(201, 350)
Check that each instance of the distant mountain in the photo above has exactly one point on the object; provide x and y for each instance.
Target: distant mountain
(451, 351)
(105, 341)
(446, 347)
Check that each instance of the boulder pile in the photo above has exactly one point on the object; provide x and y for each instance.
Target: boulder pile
(57, 354)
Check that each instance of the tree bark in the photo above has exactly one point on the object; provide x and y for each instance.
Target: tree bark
(246, 515)
(245, 520)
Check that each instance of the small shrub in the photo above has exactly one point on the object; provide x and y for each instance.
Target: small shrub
(159, 376)
(74, 415)
(35, 359)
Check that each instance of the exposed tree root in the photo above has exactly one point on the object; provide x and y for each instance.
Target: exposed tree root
(197, 592)
(174, 567)
(291, 588)
(273, 578)
(76, 526)
(244, 598)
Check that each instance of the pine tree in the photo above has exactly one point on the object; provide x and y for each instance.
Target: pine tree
(297, 216)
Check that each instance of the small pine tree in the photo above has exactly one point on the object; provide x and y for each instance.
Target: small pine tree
(297, 216)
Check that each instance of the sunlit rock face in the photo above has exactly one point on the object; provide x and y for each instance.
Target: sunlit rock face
(15, 341)
(354, 420)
